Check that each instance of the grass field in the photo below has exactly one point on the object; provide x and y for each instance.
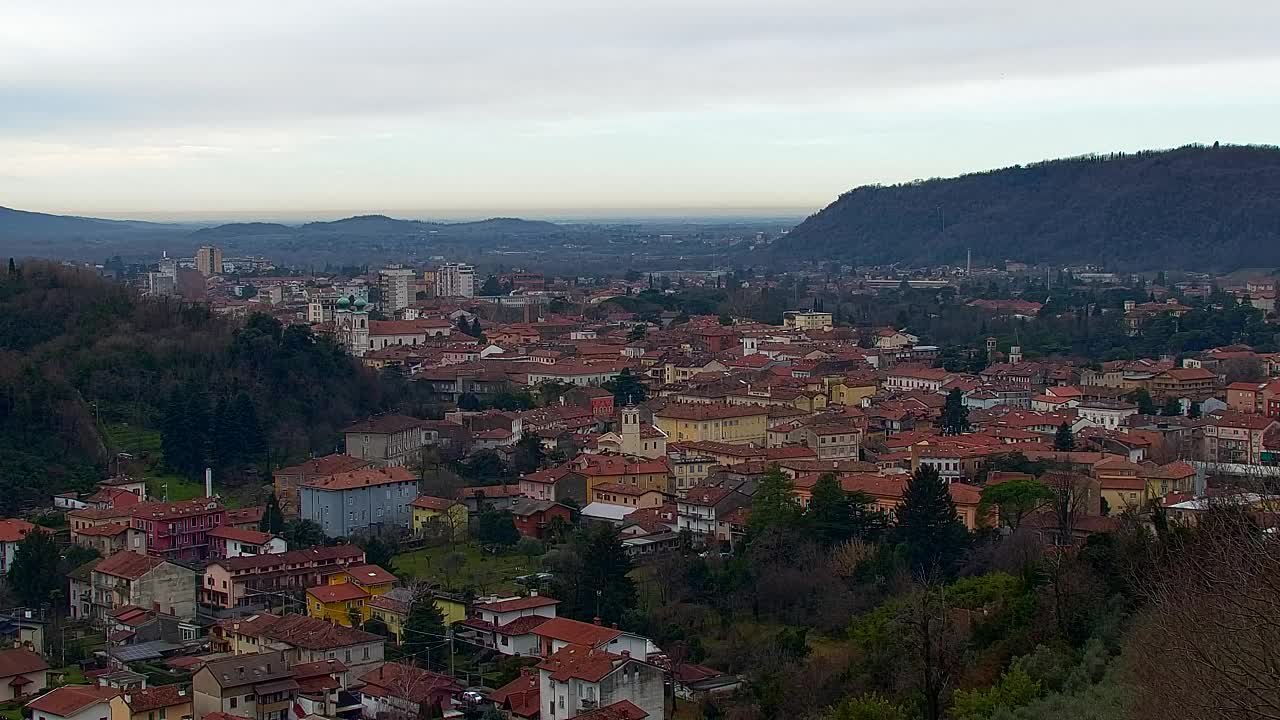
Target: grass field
(148, 463)
(479, 570)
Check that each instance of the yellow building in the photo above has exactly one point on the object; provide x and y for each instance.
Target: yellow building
(801, 320)
(850, 391)
(342, 604)
(160, 702)
(697, 422)
(434, 515)
(393, 610)
(637, 472)
(346, 596)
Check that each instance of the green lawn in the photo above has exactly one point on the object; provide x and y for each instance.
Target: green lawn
(483, 572)
(148, 463)
(74, 675)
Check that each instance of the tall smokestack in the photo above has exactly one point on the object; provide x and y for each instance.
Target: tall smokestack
(208, 482)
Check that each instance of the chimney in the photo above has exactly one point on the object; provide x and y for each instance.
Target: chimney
(596, 620)
(208, 482)
(182, 692)
(533, 592)
(613, 625)
(128, 698)
(626, 653)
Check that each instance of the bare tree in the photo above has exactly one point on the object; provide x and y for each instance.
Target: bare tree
(1207, 646)
(1073, 496)
(934, 644)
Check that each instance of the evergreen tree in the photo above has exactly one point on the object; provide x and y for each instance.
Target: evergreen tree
(955, 415)
(1064, 440)
(424, 629)
(1193, 412)
(198, 422)
(476, 330)
(13, 268)
(927, 524)
(226, 440)
(252, 439)
(1142, 399)
(606, 572)
(272, 519)
(173, 431)
(34, 573)
(627, 389)
(774, 504)
(829, 519)
(1172, 407)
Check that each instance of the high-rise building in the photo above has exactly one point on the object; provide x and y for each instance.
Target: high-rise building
(455, 280)
(209, 260)
(395, 283)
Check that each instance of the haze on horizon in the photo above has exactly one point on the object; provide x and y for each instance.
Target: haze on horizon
(294, 108)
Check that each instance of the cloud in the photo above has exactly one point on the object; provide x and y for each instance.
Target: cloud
(116, 85)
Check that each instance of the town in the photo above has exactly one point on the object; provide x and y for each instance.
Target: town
(598, 461)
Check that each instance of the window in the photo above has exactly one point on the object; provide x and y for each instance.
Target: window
(161, 713)
(233, 703)
(366, 652)
(347, 656)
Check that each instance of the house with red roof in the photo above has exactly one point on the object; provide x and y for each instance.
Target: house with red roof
(129, 578)
(73, 702)
(229, 542)
(583, 681)
(399, 690)
(12, 532)
(519, 698)
(22, 672)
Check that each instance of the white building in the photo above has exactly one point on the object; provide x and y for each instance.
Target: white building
(1104, 414)
(455, 280)
(396, 283)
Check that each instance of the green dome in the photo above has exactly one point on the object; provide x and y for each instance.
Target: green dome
(360, 303)
(343, 302)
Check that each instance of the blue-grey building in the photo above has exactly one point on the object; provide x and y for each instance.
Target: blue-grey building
(368, 498)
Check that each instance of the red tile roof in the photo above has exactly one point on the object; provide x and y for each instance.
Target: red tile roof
(429, 502)
(579, 662)
(520, 696)
(708, 411)
(103, 530)
(370, 575)
(364, 477)
(322, 466)
(384, 425)
(71, 699)
(342, 592)
(621, 710)
(19, 661)
(156, 697)
(577, 633)
(128, 565)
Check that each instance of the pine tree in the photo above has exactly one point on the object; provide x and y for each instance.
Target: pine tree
(198, 423)
(927, 524)
(829, 519)
(249, 432)
(774, 504)
(1064, 440)
(174, 432)
(13, 268)
(226, 442)
(272, 519)
(423, 629)
(955, 415)
(606, 588)
(34, 573)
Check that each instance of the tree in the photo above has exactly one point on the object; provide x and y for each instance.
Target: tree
(638, 333)
(725, 319)
(1142, 398)
(1064, 440)
(627, 389)
(491, 286)
(872, 706)
(592, 579)
(13, 268)
(955, 415)
(424, 628)
(1172, 407)
(774, 504)
(1194, 411)
(927, 524)
(1015, 499)
(34, 573)
(528, 454)
(303, 534)
(496, 528)
(829, 519)
(379, 549)
(1015, 688)
(272, 519)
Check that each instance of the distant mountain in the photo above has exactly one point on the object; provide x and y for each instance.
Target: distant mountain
(1190, 208)
(360, 239)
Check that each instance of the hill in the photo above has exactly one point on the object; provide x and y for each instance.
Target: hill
(361, 239)
(1189, 208)
(79, 354)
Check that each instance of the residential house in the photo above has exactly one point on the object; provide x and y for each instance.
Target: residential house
(439, 517)
(519, 699)
(110, 538)
(289, 480)
(161, 702)
(629, 496)
(129, 578)
(906, 377)
(1236, 437)
(734, 424)
(229, 542)
(346, 593)
(702, 508)
(1120, 486)
(533, 517)
(12, 532)
(638, 472)
(1105, 414)
(368, 498)
(1195, 384)
(555, 483)
(392, 608)
(258, 686)
(178, 530)
(396, 690)
(508, 625)
(832, 441)
(22, 672)
(386, 440)
(578, 680)
(73, 702)
(242, 581)
(303, 639)
(1247, 397)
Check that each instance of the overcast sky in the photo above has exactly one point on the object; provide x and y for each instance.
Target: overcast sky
(425, 107)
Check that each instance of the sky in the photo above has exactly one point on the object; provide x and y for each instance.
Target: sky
(437, 108)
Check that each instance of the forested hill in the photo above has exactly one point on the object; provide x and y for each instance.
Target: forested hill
(79, 354)
(1191, 208)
